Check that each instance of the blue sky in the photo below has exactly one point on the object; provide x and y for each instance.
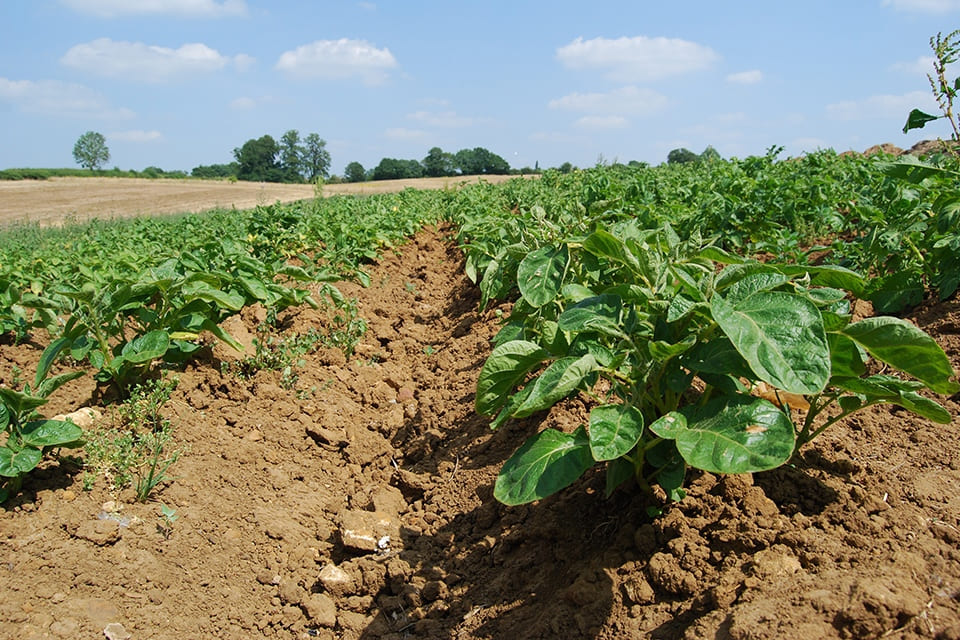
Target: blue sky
(178, 83)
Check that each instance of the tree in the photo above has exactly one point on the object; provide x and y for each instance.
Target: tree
(258, 160)
(292, 155)
(354, 172)
(91, 151)
(316, 158)
(479, 161)
(438, 163)
(215, 170)
(681, 156)
(394, 169)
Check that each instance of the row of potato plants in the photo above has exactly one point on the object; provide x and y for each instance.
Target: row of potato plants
(694, 353)
(126, 297)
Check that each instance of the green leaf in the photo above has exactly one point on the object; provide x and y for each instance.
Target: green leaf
(604, 244)
(540, 274)
(19, 403)
(737, 435)
(718, 356)
(662, 350)
(147, 347)
(504, 369)
(670, 477)
(905, 347)
(781, 336)
(615, 429)
(49, 433)
(897, 291)
(222, 335)
(925, 407)
(545, 464)
(48, 357)
(670, 425)
(917, 119)
(846, 358)
(599, 313)
(16, 463)
(556, 382)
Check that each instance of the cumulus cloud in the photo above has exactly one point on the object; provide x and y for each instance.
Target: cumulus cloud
(924, 6)
(182, 8)
(335, 59)
(147, 63)
(629, 100)
(135, 136)
(62, 99)
(753, 76)
(881, 106)
(636, 59)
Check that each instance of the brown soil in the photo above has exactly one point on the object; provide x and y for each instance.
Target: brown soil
(57, 199)
(286, 499)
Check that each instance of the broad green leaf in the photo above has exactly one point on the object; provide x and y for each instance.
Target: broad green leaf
(781, 336)
(604, 244)
(48, 357)
(20, 403)
(504, 369)
(49, 433)
(753, 283)
(615, 429)
(738, 435)
(718, 356)
(846, 358)
(669, 426)
(575, 292)
(222, 335)
(827, 275)
(557, 381)
(545, 464)
(670, 477)
(16, 463)
(147, 347)
(917, 119)
(905, 347)
(663, 351)
(49, 385)
(540, 274)
(599, 313)
(4, 416)
(925, 407)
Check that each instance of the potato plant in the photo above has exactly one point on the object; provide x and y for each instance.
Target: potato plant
(694, 358)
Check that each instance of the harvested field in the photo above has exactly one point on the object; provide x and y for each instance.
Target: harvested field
(77, 199)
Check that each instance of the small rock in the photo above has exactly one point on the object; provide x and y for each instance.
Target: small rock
(267, 578)
(68, 495)
(320, 609)
(336, 581)
(253, 436)
(363, 530)
(388, 500)
(639, 591)
(327, 436)
(115, 631)
(84, 417)
(65, 628)
(290, 592)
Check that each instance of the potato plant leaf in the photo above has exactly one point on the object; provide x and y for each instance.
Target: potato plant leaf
(781, 336)
(556, 382)
(907, 348)
(49, 433)
(16, 463)
(504, 369)
(599, 313)
(615, 429)
(540, 274)
(738, 435)
(543, 465)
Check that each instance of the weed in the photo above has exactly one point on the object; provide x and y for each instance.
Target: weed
(168, 516)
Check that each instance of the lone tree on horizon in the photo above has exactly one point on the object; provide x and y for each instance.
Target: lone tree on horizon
(91, 150)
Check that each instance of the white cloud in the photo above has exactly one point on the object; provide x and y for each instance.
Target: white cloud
(924, 6)
(446, 119)
(55, 98)
(624, 101)
(881, 106)
(400, 133)
(753, 76)
(184, 8)
(637, 59)
(147, 63)
(602, 122)
(338, 59)
(135, 136)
